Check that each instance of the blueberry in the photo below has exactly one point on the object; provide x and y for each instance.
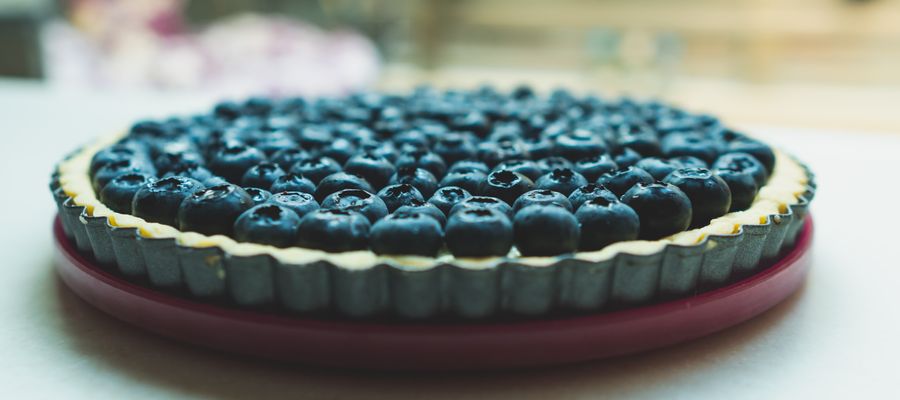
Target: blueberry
(448, 196)
(709, 194)
(606, 221)
(176, 160)
(396, 196)
(334, 231)
(562, 180)
(453, 147)
(620, 181)
(658, 168)
(575, 147)
(373, 168)
(258, 195)
(424, 208)
(158, 201)
(505, 185)
(470, 180)
(417, 177)
(479, 233)
(423, 159)
(525, 167)
(286, 158)
(688, 162)
(195, 172)
(743, 162)
(361, 201)
(406, 233)
(742, 185)
(695, 145)
(593, 167)
(291, 182)
(113, 154)
(757, 149)
(113, 169)
(340, 150)
(119, 192)
(268, 224)
(545, 230)
(642, 140)
(543, 197)
(548, 164)
(299, 202)
(212, 211)
(626, 157)
(663, 209)
(316, 168)
(262, 175)
(339, 181)
(589, 192)
(233, 161)
(483, 202)
(469, 165)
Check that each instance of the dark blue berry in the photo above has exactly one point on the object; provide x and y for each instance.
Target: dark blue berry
(709, 194)
(119, 192)
(589, 192)
(268, 224)
(679, 144)
(299, 202)
(417, 177)
(176, 160)
(113, 169)
(423, 159)
(407, 233)
(479, 233)
(396, 196)
(113, 154)
(562, 180)
(604, 221)
(757, 149)
(158, 201)
(424, 208)
(643, 141)
(593, 167)
(258, 195)
(620, 181)
(548, 164)
(469, 165)
(315, 168)
(743, 162)
(213, 210)
(340, 150)
(658, 168)
(365, 203)
(545, 230)
(688, 162)
(470, 180)
(291, 182)
(448, 196)
(505, 185)
(542, 197)
(334, 231)
(742, 185)
(575, 147)
(376, 170)
(233, 161)
(483, 202)
(626, 157)
(663, 209)
(525, 167)
(453, 147)
(286, 158)
(339, 181)
(262, 175)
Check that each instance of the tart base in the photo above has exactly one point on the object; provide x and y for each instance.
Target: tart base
(434, 345)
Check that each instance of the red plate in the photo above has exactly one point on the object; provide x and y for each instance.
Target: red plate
(433, 346)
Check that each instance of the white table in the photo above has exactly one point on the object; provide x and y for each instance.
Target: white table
(839, 336)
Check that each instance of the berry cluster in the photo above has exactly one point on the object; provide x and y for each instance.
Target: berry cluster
(472, 172)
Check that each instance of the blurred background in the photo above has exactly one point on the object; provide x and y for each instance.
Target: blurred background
(825, 64)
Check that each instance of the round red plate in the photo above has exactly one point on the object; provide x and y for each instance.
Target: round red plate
(433, 346)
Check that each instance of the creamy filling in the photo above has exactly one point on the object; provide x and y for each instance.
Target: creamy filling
(787, 182)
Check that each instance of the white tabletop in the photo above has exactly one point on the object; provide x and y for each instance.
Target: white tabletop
(840, 335)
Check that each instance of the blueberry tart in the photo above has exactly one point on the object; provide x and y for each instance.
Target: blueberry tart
(433, 203)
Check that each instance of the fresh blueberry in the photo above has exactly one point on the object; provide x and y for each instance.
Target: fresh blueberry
(291, 182)
(417, 177)
(448, 196)
(589, 192)
(268, 224)
(376, 170)
(407, 233)
(119, 192)
(301, 203)
(709, 194)
(743, 162)
(361, 201)
(113, 154)
(423, 159)
(542, 197)
(663, 209)
(548, 164)
(470, 180)
(742, 185)
(334, 231)
(258, 195)
(424, 208)
(176, 160)
(757, 149)
(658, 168)
(212, 211)
(642, 140)
(263, 175)
(577, 146)
(505, 185)
(396, 196)
(453, 147)
(493, 153)
(479, 233)
(195, 172)
(606, 221)
(113, 169)
(158, 201)
(545, 230)
(695, 145)
(233, 161)
(315, 168)
(469, 165)
(562, 180)
(339, 181)
(274, 142)
(483, 202)
(620, 181)
(286, 158)
(626, 157)
(688, 162)
(340, 150)
(593, 167)
(525, 167)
